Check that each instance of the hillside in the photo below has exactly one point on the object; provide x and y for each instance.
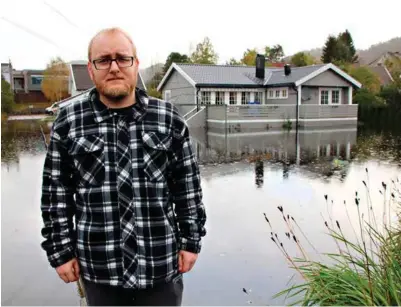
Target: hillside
(148, 73)
(365, 56)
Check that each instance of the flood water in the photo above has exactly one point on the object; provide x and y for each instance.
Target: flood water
(244, 174)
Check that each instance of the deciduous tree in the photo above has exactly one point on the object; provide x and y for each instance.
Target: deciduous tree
(55, 80)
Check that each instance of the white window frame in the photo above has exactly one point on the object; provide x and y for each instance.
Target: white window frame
(220, 97)
(206, 94)
(167, 93)
(260, 94)
(330, 90)
(271, 93)
(247, 96)
(235, 98)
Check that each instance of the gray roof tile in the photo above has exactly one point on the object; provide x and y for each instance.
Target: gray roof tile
(231, 75)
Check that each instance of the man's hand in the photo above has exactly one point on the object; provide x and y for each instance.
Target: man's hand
(69, 271)
(186, 261)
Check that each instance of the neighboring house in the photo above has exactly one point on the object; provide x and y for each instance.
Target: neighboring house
(317, 93)
(80, 80)
(378, 66)
(26, 84)
(383, 73)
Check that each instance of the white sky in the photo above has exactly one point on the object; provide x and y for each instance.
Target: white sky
(160, 27)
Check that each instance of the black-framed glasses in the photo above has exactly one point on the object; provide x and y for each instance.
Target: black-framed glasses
(123, 61)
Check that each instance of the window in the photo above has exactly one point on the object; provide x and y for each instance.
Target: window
(258, 97)
(167, 95)
(205, 98)
(324, 97)
(245, 97)
(335, 96)
(36, 80)
(330, 96)
(220, 97)
(277, 93)
(233, 97)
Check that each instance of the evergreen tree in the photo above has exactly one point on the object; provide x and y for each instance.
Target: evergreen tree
(330, 50)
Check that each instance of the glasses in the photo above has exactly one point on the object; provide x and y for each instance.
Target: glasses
(103, 64)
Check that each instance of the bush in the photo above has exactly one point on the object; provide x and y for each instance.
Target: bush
(367, 98)
(392, 95)
(7, 97)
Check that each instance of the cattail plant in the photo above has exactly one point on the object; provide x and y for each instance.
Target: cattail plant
(359, 275)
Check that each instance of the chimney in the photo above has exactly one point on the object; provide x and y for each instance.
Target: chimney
(287, 69)
(260, 66)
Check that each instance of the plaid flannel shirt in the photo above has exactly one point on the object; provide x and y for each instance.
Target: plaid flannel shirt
(134, 243)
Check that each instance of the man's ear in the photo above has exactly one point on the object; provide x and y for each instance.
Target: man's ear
(90, 71)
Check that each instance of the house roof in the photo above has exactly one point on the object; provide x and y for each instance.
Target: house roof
(383, 74)
(278, 77)
(82, 80)
(244, 76)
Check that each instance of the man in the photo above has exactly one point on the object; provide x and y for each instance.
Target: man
(122, 163)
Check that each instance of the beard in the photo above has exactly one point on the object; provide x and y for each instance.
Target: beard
(115, 92)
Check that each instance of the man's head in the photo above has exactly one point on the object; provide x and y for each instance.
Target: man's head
(113, 79)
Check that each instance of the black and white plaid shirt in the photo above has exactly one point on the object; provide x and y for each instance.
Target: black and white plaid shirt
(132, 182)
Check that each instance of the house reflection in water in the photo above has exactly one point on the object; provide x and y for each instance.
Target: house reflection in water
(320, 150)
(259, 173)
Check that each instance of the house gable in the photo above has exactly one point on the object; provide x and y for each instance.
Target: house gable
(328, 78)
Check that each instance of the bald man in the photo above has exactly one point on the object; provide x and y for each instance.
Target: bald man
(120, 164)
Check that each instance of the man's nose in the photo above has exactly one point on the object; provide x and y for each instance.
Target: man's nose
(114, 67)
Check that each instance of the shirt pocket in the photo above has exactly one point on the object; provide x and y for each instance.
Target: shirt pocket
(88, 156)
(156, 149)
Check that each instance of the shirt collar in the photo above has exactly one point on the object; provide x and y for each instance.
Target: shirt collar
(102, 112)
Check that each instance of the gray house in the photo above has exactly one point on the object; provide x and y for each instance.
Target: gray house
(310, 95)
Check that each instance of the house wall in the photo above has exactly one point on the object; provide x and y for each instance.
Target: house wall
(311, 95)
(182, 92)
(292, 97)
(328, 111)
(328, 78)
(31, 86)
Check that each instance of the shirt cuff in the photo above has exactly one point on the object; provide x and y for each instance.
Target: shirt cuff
(61, 258)
(190, 245)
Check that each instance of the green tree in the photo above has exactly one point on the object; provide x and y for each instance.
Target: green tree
(55, 80)
(302, 59)
(392, 95)
(330, 50)
(365, 97)
(249, 57)
(7, 97)
(369, 80)
(175, 57)
(349, 55)
(274, 54)
(233, 61)
(204, 53)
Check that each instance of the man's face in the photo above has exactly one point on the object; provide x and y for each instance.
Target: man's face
(115, 83)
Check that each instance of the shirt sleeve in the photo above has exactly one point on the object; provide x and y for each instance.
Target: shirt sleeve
(187, 191)
(57, 201)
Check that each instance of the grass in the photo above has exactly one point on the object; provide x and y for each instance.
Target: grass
(365, 271)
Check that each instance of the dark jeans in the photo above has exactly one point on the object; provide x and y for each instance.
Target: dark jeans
(168, 294)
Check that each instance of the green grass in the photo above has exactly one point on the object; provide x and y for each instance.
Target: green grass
(365, 271)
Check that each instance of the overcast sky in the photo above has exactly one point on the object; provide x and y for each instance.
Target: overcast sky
(34, 31)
